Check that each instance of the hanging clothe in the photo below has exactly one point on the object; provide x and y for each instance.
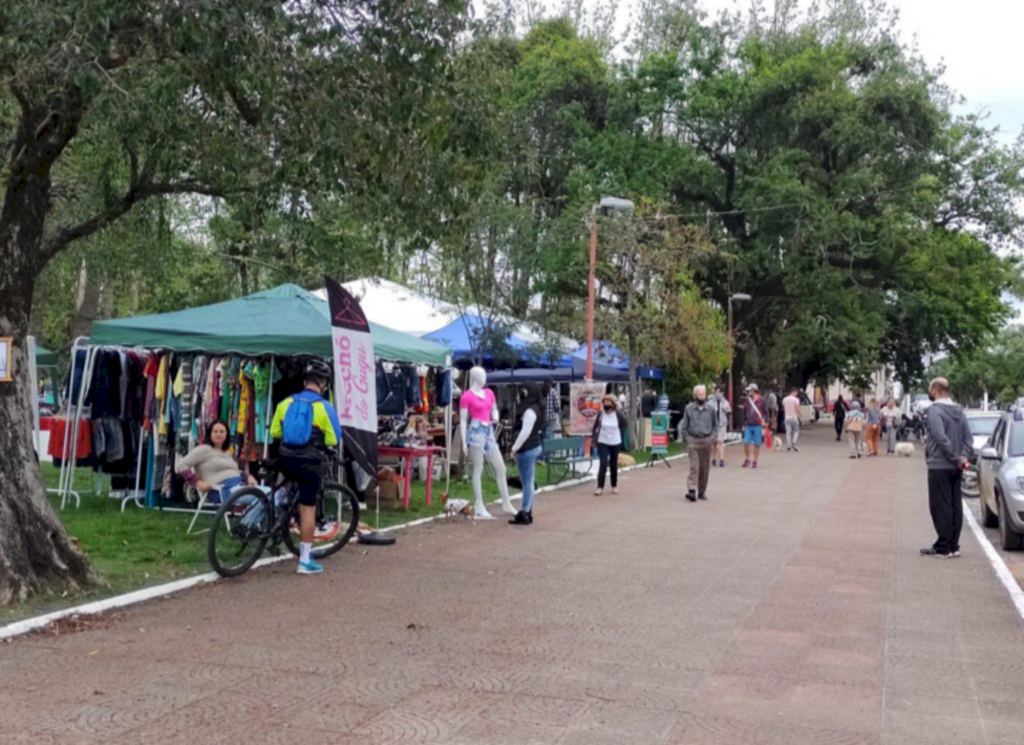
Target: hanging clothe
(444, 388)
(412, 387)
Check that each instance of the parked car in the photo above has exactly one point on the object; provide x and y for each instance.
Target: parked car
(921, 403)
(1001, 481)
(983, 424)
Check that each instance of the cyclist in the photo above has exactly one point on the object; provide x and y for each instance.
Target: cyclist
(307, 426)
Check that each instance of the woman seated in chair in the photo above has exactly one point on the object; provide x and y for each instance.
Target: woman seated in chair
(210, 467)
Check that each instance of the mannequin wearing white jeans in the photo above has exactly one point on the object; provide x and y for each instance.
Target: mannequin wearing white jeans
(490, 451)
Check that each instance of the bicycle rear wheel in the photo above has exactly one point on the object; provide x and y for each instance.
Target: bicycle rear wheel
(240, 532)
(337, 517)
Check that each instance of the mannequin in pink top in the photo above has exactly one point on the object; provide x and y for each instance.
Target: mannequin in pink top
(477, 415)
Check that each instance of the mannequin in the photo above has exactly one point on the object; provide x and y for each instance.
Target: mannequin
(478, 413)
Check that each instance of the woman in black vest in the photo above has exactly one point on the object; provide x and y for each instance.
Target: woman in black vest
(526, 448)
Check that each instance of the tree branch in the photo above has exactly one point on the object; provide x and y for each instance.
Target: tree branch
(120, 208)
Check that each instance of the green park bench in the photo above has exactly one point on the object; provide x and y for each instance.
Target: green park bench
(561, 455)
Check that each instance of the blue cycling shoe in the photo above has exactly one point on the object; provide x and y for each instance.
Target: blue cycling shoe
(309, 567)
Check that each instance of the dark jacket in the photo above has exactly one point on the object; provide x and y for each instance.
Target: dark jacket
(949, 436)
(700, 421)
(623, 425)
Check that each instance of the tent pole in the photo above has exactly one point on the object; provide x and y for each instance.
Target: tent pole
(448, 426)
(270, 414)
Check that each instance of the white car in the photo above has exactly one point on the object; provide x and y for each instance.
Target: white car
(982, 424)
(921, 403)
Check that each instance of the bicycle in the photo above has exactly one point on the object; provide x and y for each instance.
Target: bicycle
(251, 518)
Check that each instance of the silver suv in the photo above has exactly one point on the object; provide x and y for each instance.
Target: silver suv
(983, 425)
(1001, 481)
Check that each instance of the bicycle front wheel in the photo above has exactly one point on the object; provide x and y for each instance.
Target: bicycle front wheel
(337, 517)
(240, 532)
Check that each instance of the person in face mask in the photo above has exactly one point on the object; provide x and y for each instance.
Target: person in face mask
(609, 427)
(700, 424)
(723, 412)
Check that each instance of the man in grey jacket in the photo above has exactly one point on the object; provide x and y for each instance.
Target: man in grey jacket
(699, 425)
(947, 454)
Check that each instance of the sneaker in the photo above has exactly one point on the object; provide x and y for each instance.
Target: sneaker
(754, 464)
(615, 490)
(702, 497)
(309, 567)
(746, 464)
(789, 450)
(721, 464)
(691, 497)
(795, 449)
(932, 552)
(597, 492)
(954, 553)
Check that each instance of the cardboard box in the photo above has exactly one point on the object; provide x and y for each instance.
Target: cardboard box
(390, 493)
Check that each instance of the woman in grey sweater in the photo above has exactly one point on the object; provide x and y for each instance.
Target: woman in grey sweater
(210, 467)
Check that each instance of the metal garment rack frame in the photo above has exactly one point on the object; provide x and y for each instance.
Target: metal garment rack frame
(69, 465)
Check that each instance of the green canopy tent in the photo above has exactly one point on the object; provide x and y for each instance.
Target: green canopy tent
(45, 358)
(285, 321)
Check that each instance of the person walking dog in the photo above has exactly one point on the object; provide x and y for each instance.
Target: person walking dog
(948, 451)
(753, 426)
(700, 424)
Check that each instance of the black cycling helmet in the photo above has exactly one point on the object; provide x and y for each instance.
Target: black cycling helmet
(318, 370)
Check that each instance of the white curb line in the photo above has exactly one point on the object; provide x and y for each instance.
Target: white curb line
(150, 593)
(998, 563)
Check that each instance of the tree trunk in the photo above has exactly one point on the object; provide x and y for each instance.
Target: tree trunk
(35, 553)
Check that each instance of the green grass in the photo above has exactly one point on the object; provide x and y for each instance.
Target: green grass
(140, 547)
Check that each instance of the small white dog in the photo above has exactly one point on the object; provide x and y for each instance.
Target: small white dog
(904, 449)
(777, 444)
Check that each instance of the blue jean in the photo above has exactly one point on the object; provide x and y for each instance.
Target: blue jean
(526, 463)
(222, 492)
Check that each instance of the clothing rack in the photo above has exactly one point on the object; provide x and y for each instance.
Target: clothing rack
(77, 410)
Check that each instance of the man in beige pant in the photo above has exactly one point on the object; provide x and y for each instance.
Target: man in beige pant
(699, 425)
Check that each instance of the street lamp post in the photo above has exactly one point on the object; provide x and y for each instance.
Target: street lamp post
(613, 204)
(739, 297)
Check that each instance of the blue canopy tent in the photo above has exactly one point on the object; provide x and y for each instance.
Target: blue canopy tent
(467, 336)
(611, 361)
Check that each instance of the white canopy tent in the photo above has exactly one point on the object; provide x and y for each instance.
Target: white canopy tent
(396, 306)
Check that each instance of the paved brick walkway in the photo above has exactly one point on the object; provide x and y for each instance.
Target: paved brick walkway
(790, 609)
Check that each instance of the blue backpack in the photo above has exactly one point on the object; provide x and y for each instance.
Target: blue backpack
(297, 427)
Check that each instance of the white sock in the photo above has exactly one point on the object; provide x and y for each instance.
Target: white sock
(304, 549)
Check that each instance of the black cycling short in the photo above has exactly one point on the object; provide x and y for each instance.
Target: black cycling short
(307, 473)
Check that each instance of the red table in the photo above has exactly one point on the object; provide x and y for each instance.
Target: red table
(408, 454)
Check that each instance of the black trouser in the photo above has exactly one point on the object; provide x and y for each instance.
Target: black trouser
(306, 472)
(840, 418)
(946, 507)
(608, 453)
